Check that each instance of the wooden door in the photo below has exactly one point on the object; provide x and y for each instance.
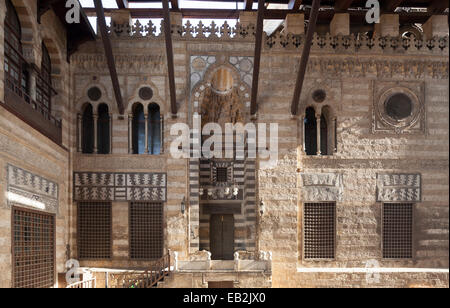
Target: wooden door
(222, 237)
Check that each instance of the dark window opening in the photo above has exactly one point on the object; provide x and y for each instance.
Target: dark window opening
(146, 231)
(222, 175)
(94, 230)
(323, 135)
(138, 129)
(398, 231)
(310, 132)
(103, 130)
(88, 130)
(44, 81)
(319, 230)
(399, 106)
(33, 249)
(154, 125)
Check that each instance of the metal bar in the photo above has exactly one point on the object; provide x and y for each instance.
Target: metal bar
(294, 5)
(305, 56)
(257, 61)
(122, 4)
(248, 5)
(169, 51)
(109, 55)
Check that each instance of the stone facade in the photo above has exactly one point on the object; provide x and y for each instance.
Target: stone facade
(369, 151)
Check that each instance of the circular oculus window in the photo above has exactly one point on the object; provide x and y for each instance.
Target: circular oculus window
(319, 96)
(146, 93)
(94, 94)
(398, 106)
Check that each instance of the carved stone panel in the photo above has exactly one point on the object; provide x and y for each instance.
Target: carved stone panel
(31, 190)
(92, 186)
(321, 187)
(399, 187)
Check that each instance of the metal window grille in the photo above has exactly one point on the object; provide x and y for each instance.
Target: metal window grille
(222, 174)
(33, 249)
(146, 231)
(397, 230)
(319, 230)
(94, 230)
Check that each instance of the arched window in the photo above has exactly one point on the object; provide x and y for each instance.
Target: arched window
(154, 127)
(138, 129)
(310, 131)
(44, 81)
(323, 135)
(16, 76)
(103, 130)
(88, 130)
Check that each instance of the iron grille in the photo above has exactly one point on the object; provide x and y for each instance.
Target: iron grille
(397, 230)
(34, 249)
(222, 175)
(146, 231)
(319, 230)
(94, 230)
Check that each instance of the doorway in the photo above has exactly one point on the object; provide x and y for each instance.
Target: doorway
(222, 237)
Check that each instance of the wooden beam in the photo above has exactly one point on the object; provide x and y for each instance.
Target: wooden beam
(294, 5)
(305, 56)
(122, 4)
(169, 52)
(175, 5)
(248, 5)
(109, 54)
(343, 5)
(257, 58)
(391, 5)
(438, 7)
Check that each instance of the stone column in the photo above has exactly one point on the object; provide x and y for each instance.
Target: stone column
(302, 118)
(388, 26)
(246, 18)
(294, 23)
(146, 134)
(80, 132)
(318, 133)
(130, 134)
(340, 24)
(95, 133)
(436, 25)
(121, 17)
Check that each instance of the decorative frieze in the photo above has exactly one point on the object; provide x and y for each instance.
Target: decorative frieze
(92, 186)
(31, 190)
(321, 187)
(399, 187)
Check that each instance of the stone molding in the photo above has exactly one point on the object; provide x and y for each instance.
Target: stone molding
(399, 187)
(31, 186)
(104, 186)
(321, 187)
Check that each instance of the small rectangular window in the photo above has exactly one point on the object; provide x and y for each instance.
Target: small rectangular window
(146, 231)
(222, 175)
(397, 230)
(94, 230)
(319, 230)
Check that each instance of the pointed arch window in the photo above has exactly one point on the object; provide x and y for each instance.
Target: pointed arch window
(154, 129)
(310, 132)
(103, 130)
(16, 75)
(88, 130)
(138, 127)
(319, 132)
(44, 81)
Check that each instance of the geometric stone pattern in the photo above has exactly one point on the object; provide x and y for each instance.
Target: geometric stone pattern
(34, 187)
(321, 187)
(104, 186)
(399, 187)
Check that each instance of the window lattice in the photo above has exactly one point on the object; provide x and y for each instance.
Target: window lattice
(94, 230)
(319, 230)
(146, 230)
(397, 231)
(222, 175)
(34, 249)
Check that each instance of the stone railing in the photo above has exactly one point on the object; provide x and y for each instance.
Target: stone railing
(241, 32)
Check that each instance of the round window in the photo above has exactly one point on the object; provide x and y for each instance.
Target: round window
(146, 93)
(398, 106)
(319, 96)
(94, 94)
